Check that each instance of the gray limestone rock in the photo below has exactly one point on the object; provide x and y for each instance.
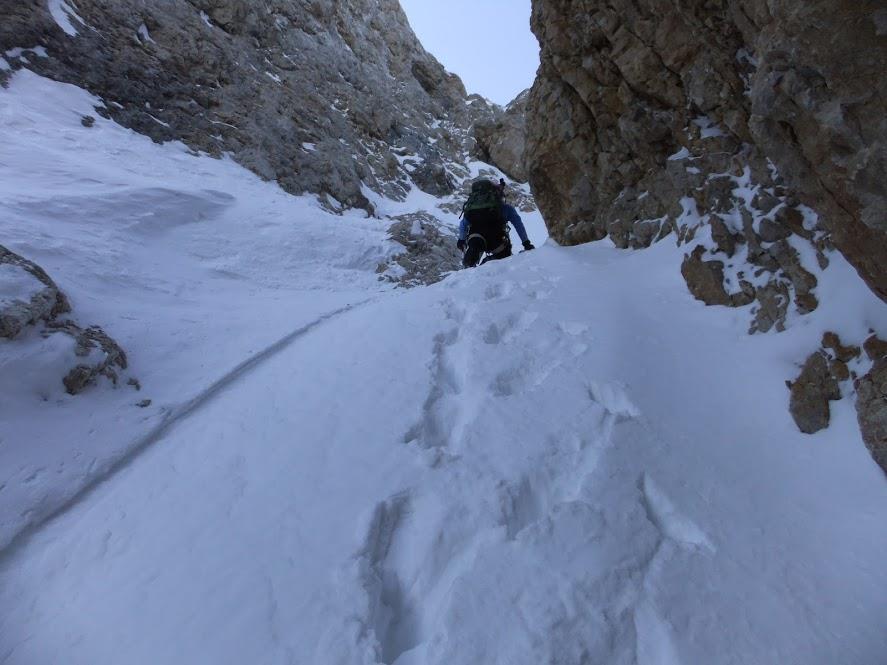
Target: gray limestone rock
(321, 96)
(95, 353)
(811, 393)
(832, 343)
(871, 411)
(772, 231)
(37, 299)
(502, 140)
(725, 240)
(694, 101)
(875, 348)
(705, 279)
(433, 178)
(771, 309)
(429, 251)
(803, 281)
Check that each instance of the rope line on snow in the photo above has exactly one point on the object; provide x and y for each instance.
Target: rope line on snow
(170, 419)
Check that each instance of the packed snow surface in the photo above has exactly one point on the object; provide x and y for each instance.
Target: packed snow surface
(193, 265)
(558, 458)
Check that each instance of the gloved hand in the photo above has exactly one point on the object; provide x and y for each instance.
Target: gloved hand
(528, 245)
(460, 245)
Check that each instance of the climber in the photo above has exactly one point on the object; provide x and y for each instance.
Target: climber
(484, 225)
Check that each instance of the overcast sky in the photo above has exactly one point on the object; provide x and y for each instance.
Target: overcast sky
(488, 43)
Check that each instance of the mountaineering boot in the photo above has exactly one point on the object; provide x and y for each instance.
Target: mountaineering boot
(474, 251)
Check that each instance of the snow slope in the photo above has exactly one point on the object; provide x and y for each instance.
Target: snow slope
(170, 254)
(559, 458)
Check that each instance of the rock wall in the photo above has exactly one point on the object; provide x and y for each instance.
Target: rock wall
(502, 141)
(752, 131)
(871, 401)
(323, 96)
(642, 105)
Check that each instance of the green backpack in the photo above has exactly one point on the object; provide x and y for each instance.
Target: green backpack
(483, 209)
(484, 195)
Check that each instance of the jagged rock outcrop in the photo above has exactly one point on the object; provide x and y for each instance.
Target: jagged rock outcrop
(30, 298)
(753, 132)
(97, 355)
(820, 382)
(871, 411)
(429, 251)
(705, 279)
(811, 393)
(871, 401)
(829, 373)
(650, 116)
(819, 110)
(502, 141)
(27, 294)
(322, 96)
(875, 348)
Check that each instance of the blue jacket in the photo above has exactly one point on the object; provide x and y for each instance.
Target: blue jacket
(511, 217)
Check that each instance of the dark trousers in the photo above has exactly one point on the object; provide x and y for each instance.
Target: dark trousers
(477, 247)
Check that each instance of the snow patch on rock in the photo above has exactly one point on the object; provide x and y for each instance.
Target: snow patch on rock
(62, 13)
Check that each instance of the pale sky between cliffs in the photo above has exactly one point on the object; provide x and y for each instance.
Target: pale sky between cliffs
(487, 43)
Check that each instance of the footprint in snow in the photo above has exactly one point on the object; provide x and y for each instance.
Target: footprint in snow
(514, 325)
(521, 505)
(573, 328)
(393, 614)
(498, 291)
(614, 399)
(674, 525)
(510, 381)
(442, 407)
(654, 640)
(454, 312)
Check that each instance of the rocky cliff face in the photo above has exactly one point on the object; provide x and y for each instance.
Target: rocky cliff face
(642, 104)
(325, 97)
(502, 140)
(752, 131)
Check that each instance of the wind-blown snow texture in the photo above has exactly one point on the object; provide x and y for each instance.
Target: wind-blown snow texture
(559, 458)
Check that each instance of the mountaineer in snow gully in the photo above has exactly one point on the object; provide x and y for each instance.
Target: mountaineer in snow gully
(483, 228)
